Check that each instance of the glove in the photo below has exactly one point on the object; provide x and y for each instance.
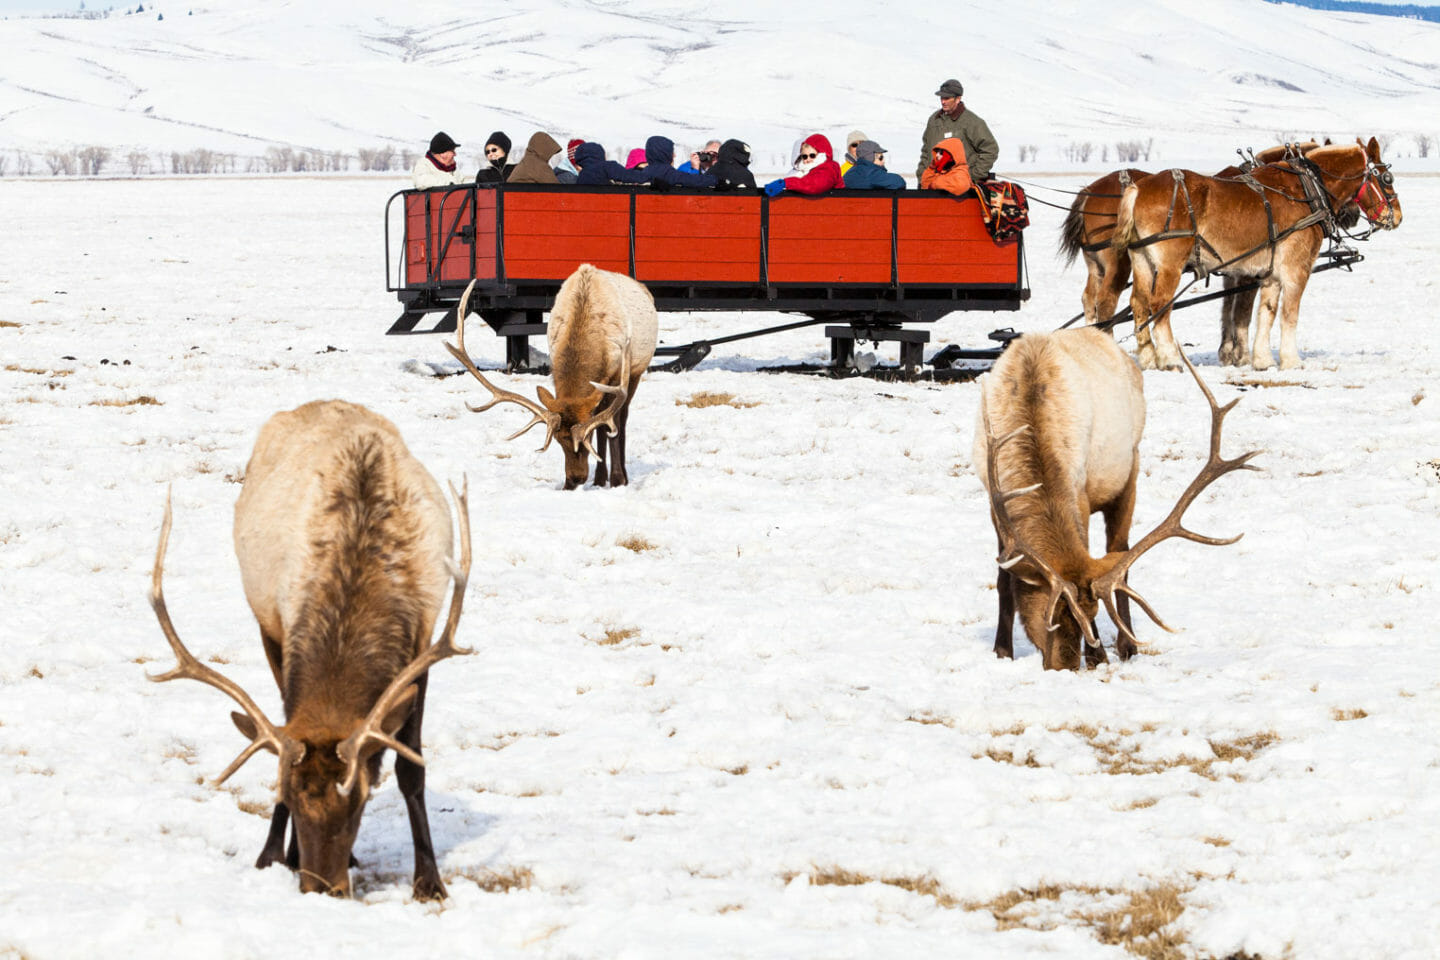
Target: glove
(774, 188)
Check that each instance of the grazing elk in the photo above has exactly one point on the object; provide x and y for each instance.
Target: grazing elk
(1269, 227)
(1057, 438)
(344, 542)
(602, 335)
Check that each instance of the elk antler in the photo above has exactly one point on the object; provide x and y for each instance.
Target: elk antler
(267, 735)
(539, 414)
(1216, 466)
(605, 417)
(349, 749)
(1013, 547)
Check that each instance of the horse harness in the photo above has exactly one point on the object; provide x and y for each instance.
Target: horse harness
(1316, 198)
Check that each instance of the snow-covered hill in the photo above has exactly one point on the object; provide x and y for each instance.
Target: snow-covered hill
(242, 76)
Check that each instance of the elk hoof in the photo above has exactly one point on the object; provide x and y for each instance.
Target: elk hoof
(428, 887)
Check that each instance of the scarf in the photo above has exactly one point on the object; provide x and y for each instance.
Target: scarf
(447, 167)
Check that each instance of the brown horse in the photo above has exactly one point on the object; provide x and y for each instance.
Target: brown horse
(1268, 227)
(1087, 231)
(1090, 224)
(1238, 305)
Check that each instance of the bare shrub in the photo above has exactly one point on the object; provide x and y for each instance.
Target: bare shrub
(1424, 143)
(139, 162)
(4, 164)
(1079, 152)
(92, 160)
(24, 166)
(277, 159)
(61, 162)
(1028, 151)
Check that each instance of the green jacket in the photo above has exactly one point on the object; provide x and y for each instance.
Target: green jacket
(981, 150)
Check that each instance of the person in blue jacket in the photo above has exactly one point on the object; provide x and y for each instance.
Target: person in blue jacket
(869, 173)
(595, 170)
(659, 170)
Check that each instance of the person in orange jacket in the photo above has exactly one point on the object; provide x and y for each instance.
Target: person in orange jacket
(948, 170)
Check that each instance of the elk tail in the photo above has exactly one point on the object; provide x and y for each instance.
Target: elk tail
(1125, 234)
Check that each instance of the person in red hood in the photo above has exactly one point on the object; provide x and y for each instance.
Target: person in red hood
(822, 173)
(948, 170)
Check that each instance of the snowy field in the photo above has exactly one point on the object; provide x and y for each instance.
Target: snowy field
(745, 707)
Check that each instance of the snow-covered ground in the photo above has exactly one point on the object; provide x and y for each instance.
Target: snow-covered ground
(745, 707)
(239, 77)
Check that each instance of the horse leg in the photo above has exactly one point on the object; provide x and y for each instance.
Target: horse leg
(1112, 284)
(1167, 354)
(1140, 311)
(1260, 357)
(1235, 312)
(1292, 288)
(1093, 272)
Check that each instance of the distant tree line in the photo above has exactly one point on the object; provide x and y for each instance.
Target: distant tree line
(1412, 11)
(92, 161)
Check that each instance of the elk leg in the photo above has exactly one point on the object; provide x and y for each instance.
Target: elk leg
(411, 778)
(1094, 656)
(1118, 515)
(618, 476)
(1004, 628)
(274, 850)
(602, 445)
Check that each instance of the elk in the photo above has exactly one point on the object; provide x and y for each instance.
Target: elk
(602, 335)
(345, 544)
(1057, 438)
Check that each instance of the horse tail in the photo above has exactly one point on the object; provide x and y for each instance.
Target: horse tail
(1125, 234)
(1072, 231)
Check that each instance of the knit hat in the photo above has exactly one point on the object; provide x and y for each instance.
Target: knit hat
(854, 137)
(868, 150)
(950, 88)
(636, 157)
(441, 142)
(570, 149)
(500, 140)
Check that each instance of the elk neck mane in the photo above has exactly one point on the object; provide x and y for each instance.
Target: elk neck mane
(1038, 396)
(363, 611)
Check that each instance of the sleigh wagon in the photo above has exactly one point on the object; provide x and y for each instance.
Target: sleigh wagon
(872, 265)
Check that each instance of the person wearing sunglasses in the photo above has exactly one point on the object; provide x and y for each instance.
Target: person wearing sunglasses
(437, 167)
(868, 172)
(853, 140)
(497, 156)
(954, 120)
(819, 173)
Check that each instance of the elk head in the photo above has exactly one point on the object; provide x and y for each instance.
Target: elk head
(327, 764)
(574, 419)
(1060, 595)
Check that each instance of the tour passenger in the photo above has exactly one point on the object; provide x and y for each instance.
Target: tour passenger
(821, 173)
(595, 170)
(852, 141)
(437, 167)
(497, 155)
(868, 172)
(947, 170)
(534, 167)
(658, 170)
(636, 159)
(953, 120)
(565, 169)
(731, 169)
(701, 160)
